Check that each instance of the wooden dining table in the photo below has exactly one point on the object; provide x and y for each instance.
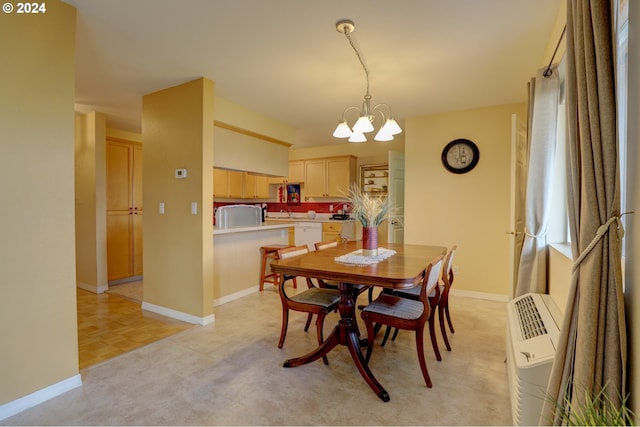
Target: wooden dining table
(402, 270)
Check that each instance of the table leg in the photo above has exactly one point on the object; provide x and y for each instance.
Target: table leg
(346, 333)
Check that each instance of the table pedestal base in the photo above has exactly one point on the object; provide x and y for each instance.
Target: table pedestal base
(345, 333)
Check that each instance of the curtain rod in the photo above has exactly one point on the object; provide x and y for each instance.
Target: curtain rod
(548, 71)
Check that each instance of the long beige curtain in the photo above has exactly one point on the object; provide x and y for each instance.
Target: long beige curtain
(592, 352)
(543, 116)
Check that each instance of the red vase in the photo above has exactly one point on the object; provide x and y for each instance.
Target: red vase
(369, 241)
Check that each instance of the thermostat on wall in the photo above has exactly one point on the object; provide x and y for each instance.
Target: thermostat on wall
(181, 173)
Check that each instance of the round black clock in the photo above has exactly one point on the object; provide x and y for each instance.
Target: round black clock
(460, 156)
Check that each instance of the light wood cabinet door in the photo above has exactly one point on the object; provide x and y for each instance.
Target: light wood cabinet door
(329, 177)
(124, 210)
(339, 177)
(220, 183)
(315, 178)
(228, 184)
(262, 187)
(296, 172)
(331, 231)
(236, 185)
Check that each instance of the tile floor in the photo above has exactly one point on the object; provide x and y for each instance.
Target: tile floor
(230, 373)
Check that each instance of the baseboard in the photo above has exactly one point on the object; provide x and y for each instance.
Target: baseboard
(174, 314)
(236, 295)
(91, 288)
(29, 401)
(479, 295)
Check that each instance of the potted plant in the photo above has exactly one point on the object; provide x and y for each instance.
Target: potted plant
(371, 211)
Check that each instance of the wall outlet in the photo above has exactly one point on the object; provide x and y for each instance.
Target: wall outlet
(161, 208)
(455, 269)
(331, 208)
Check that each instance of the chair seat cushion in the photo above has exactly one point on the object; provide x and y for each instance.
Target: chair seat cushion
(318, 296)
(389, 305)
(413, 293)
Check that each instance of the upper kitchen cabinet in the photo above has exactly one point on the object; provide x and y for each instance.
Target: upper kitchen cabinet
(255, 186)
(329, 177)
(227, 184)
(296, 174)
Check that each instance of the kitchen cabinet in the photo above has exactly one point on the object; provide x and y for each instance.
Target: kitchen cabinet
(228, 184)
(296, 174)
(255, 186)
(337, 230)
(374, 179)
(329, 177)
(124, 210)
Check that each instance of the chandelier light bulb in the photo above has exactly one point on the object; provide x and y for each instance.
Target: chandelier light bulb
(342, 130)
(357, 137)
(363, 125)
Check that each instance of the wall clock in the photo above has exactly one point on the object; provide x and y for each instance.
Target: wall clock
(460, 156)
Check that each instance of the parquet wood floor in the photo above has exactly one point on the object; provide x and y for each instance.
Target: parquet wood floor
(109, 325)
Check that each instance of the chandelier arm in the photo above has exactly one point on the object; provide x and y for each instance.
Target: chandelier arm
(376, 107)
(344, 113)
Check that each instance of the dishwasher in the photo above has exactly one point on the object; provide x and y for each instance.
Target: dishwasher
(307, 233)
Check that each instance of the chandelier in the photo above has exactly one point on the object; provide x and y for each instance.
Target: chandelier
(366, 115)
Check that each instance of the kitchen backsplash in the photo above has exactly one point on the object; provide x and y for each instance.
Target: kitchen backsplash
(301, 208)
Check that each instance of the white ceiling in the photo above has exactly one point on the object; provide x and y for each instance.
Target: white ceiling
(285, 59)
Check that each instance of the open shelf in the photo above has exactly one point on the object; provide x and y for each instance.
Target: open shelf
(374, 179)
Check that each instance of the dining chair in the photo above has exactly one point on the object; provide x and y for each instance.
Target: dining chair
(405, 313)
(315, 300)
(446, 280)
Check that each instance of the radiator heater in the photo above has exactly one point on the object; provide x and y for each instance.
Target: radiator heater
(532, 335)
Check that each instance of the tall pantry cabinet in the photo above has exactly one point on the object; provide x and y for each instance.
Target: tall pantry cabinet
(124, 210)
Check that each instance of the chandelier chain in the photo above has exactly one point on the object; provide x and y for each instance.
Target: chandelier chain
(355, 49)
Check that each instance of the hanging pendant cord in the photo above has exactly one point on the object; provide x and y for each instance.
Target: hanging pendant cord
(355, 49)
(548, 71)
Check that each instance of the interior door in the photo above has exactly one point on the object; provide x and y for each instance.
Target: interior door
(518, 188)
(395, 230)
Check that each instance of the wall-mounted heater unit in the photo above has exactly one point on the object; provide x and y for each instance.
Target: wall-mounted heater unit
(532, 335)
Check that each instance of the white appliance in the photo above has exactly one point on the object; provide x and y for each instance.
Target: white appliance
(307, 233)
(532, 336)
(238, 216)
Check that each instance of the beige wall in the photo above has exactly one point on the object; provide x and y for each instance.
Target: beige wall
(38, 327)
(91, 202)
(177, 132)
(470, 210)
(372, 152)
(243, 118)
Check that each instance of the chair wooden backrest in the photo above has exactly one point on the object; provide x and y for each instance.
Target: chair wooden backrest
(430, 283)
(292, 251)
(447, 268)
(326, 245)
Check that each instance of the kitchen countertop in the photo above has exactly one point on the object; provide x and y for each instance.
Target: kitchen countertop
(277, 222)
(306, 219)
(262, 227)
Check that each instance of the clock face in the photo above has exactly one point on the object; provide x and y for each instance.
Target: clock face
(460, 156)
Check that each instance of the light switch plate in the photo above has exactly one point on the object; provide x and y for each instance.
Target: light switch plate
(181, 173)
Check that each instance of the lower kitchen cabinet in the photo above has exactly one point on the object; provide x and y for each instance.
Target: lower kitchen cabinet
(338, 230)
